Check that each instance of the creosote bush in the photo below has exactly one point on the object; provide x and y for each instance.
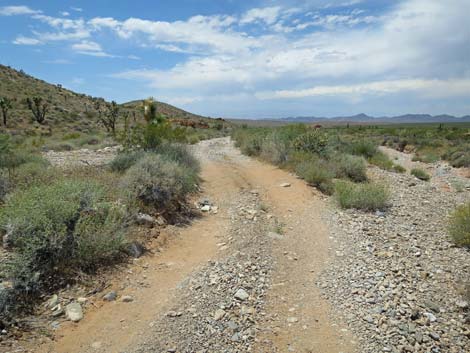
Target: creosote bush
(351, 167)
(420, 174)
(60, 229)
(157, 183)
(381, 160)
(318, 173)
(363, 148)
(366, 196)
(459, 225)
(123, 161)
(178, 153)
(313, 141)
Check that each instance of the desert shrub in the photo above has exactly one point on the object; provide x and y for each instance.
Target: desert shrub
(32, 173)
(158, 183)
(313, 141)
(51, 225)
(381, 160)
(366, 196)
(460, 159)
(251, 145)
(156, 133)
(363, 148)
(351, 167)
(15, 158)
(59, 146)
(275, 149)
(4, 186)
(178, 153)
(318, 173)
(459, 225)
(193, 139)
(420, 174)
(88, 140)
(427, 157)
(398, 168)
(124, 160)
(71, 136)
(249, 141)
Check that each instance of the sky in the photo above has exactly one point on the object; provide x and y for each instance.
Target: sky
(250, 59)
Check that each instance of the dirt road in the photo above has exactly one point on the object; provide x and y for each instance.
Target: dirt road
(239, 280)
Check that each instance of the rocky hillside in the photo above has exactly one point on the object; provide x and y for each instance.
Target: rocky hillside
(68, 110)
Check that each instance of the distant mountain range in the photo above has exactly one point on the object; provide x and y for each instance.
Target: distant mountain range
(364, 118)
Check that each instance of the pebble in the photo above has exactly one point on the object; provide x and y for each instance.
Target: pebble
(111, 296)
(241, 294)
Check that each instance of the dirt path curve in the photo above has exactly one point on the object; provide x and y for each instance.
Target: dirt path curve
(291, 317)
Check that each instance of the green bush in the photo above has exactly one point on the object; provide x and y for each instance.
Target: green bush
(366, 196)
(363, 148)
(459, 225)
(275, 149)
(318, 173)
(51, 226)
(313, 141)
(158, 183)
(178, 153)
(398, 168)
(427, 157)
(381, 160)
(33, 173)
(420, 174)
(71, 136)
(351, 167)
(124, 160)
(460, 159)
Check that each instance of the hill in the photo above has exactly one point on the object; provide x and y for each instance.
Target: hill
(68, 110)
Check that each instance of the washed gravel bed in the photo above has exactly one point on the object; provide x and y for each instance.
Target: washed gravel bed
(396, 277)
(82, 157)
(221, 303)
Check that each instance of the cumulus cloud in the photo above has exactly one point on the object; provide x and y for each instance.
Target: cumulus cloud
(17, 10)
(22, 40)
(433, 88)
(417, 47)
(269, 15)
(89, 48)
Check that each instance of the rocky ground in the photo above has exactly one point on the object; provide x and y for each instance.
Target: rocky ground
(396, 278)
(220, 305)
(82, 157)
(274, 266)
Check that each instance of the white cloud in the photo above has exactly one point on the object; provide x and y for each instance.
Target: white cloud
(269, 15)
(415, 47)
(77, 9)
(89, 48)
(17, 10)
(22, 40)
(434, 88)
(65, 13)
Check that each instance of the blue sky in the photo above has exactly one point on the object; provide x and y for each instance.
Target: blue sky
(250, 59)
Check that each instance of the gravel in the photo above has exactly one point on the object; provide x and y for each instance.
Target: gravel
(221, 304)
(396, 278)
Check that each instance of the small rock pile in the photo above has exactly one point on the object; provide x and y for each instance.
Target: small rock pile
(396, 278)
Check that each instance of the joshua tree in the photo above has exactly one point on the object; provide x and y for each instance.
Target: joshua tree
(108, 117)
(39, 108)
(5, 105)
(150, 111)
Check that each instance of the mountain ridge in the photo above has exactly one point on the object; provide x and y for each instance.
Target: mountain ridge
(399, 119)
